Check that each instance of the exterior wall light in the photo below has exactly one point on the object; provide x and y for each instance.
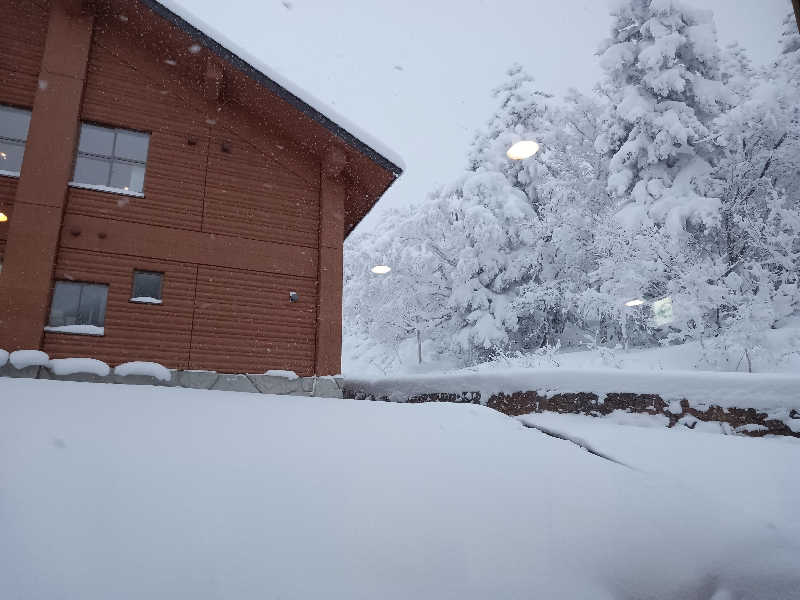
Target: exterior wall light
(380, 269)
(635, 302)
(522, 150)
(3, 217)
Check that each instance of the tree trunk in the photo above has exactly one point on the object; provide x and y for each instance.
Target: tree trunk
(419, 348)
(796, 4)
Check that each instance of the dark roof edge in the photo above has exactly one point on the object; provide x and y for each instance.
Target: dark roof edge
(225, 54)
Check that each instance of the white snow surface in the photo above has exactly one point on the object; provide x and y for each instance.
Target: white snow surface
(150, 369)
(770, 489)
(743, 390)
(296, 90)
(291, 375)
(79, 329)
(146, 300)
(146, 492)
(3, 357)
(72, 366)
(20, 359)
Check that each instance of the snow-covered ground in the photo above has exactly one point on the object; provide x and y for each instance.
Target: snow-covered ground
(144, 492)
(780, 354)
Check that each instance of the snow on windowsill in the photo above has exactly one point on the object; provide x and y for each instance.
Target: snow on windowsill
(146, 300)
(76, 329)
(4, 173)
(105, 188)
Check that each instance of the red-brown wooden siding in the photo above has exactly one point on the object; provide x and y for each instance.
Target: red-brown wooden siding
(23, 28)
(231, 319)
(245, 322)
(250, 196)
(159, 333)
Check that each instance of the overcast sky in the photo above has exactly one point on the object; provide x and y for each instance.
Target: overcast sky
(417, 74)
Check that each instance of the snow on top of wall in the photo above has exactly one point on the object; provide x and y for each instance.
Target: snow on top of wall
(71, 366)
(294, 89)
(743, 390)
(150, 369)
(291, 375)
(20, 359)
(3, 357)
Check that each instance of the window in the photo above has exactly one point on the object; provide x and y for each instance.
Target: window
(14, 124)
(147, 287)
(76, 303)
(111, 159)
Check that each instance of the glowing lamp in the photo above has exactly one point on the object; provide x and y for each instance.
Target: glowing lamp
(636, 302)
(3, 217)
(522, 150)
(380, 269)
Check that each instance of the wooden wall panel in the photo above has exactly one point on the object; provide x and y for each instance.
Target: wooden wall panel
(8, 190)
(250, 196)
(140, 94)
(244, 322)
(173, 188)
(159, 333)
(23, 28)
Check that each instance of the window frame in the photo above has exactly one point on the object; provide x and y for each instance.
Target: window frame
(111, 160)
(51, 328)
(16, 141)
(133, 298)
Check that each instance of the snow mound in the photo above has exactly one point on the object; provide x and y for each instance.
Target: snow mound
(290, 375)
(20, 359)
(72, 366)
(150, 369)
(3, 357)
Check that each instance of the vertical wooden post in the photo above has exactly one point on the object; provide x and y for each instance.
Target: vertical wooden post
(796, 5)
(331, 271)
(33, 232)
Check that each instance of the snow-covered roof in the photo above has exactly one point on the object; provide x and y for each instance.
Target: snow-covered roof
(226, 49)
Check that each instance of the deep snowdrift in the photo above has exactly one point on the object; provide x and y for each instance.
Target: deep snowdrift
(143, 492)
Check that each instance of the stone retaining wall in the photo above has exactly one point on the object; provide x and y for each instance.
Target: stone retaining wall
(329, 387)
(747, 421)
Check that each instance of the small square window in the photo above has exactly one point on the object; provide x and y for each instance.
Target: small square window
(111, 159)
(76, 303)
(147, 287)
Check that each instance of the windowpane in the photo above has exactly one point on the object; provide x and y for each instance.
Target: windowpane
(147, 284)
(14, 123)
(94, 171)
(128, 177)
(96, 140)
(132, 145)
(64, 308)
(11, 156)
(92, 309)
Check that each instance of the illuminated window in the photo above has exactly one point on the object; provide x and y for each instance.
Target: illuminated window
(14, 123)
(111, 159)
